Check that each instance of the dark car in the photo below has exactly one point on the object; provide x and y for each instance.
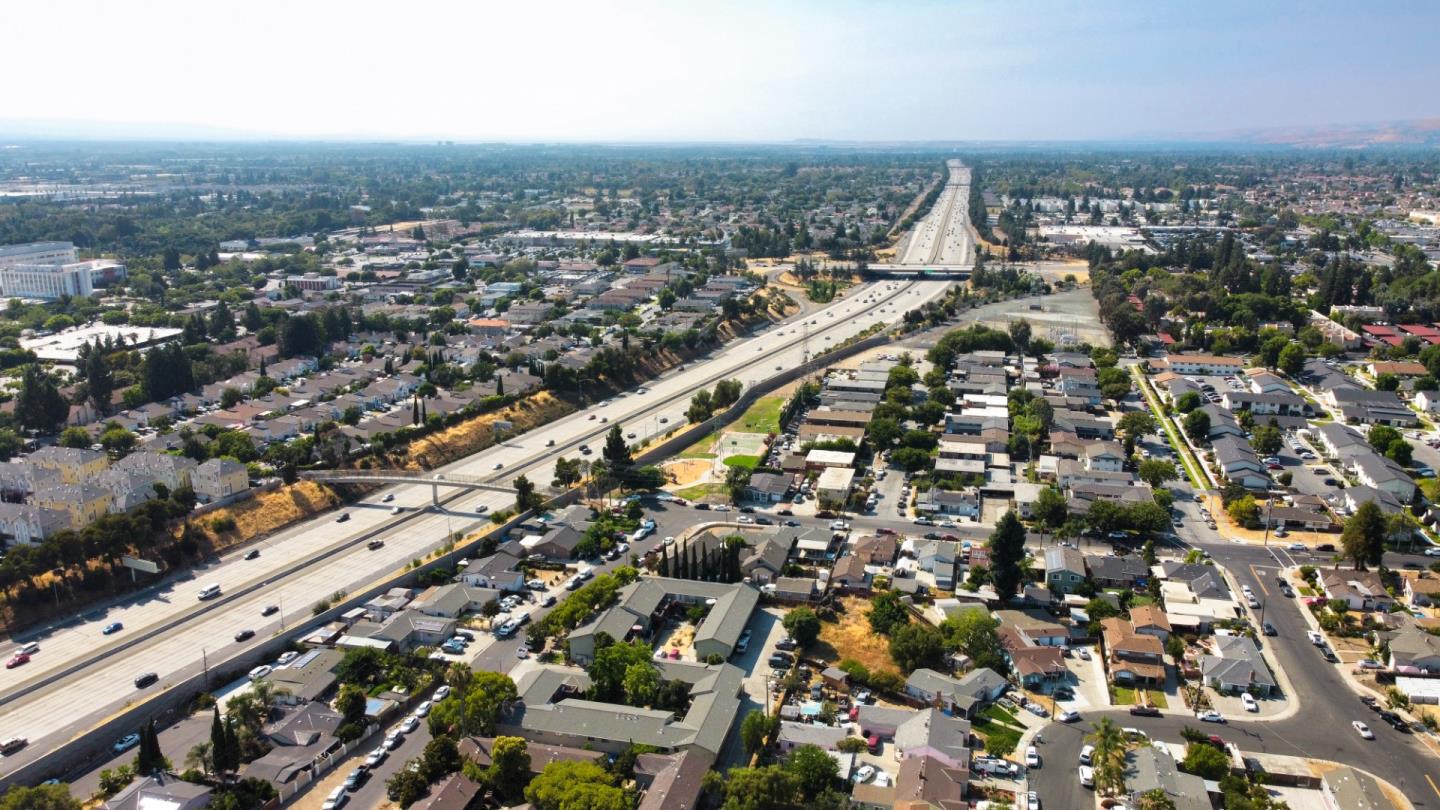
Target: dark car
(252, 554)
(270, 610)
(749, 510)
(764, 521)
(356, 778)
(786, 643)
(344, 516)
(375, 544)
(1144, 711)
(1270, 629)
(1325, 547)
(702, 506)
(146, 679)
(244, 635)
(785, 512)
(792, 523)
(776, 662)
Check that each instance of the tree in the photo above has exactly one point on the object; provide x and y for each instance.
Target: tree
(814, 769)
(509, 766)
(761, 788)
(526, 498)
(580, 785)
(1156, 799)
(99, 381)
(975, 633)
(1363, 538)
(1266, 440)
(1007, 549)
(1156, 472)
(39, 405)
(700, 407)
(225, 758)
(201, 757)
(917, 646)
(642, 684)
(1109, 757)
(75, 437)
(148, 757)
(40, 797)
(883, 432)
(727, 393)
(1205, 761)
(350, 702)
(1244, 510)
(753, 730)
(803, 625)
(441, 757)
(886, 613)
(405, 787)
(475, 709)
(910, 459)
(1293, 358)
(1197, 426)
(1188, 401)
(1050, 509)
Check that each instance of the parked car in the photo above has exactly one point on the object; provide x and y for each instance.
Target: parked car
(1210, 716)
(1068, 716)
(1144, 711)
(260, 672)
(1032, 757)
(1251, 705)
(125, 743)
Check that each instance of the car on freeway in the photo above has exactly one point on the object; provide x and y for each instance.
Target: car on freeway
(112, 628)
(125, 743)
(19, 659)
(374, 545)
(13, 744)
(1363, 730)
(343, 517)
(252, 554)
(389, 496)
(245, 635)
(270, 610)
(395, 510)
(1210, 716)
(144, 679)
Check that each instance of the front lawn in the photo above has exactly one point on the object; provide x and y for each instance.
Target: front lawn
(700, 492)
(747, 462)
(1123, 696)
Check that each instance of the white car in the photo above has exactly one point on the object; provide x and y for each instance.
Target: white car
(1087, 776)
(1068, 716)
(1297, 547)
(1432, 552)
(259, 672)
(1363, 730)
(744, 519)
(442, 693)
(1315, 638)
(1210, 716)
(1032, 757)
(865, 773)
(1032, 800)
(424, 708)
(286, 657)
(1251, 705)
(1083, 653)
(376, 757)
(411, 723)
(720, 507)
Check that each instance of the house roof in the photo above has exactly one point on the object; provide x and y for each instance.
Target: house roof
(1237, 662)
(1149, 616)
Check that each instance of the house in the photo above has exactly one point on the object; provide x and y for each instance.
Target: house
(946, 502)
(1150, 620)
(500, 571)
(1036, 627)
(1427, 401)
(1037, 665)
(1412, 649)
(406, 630)
(304, 741)
(877, 549)
(938, 557)
(1110, 571)
(1151, 768)
(1374, 470)
(1361, 590)
(1237, 461)
(1235, 665)
(454, 600)
(794, 734)
(172, 471)
(1345, 788)
(219, 478)
(849, 575)
(963, 696)
(307, 678)
(455, 792)
(766, 488)
(834, 483)
(932, 733)
(1340, 441)
(1282, 403)
(766, 560)
(798, 590)
(21, 523)
(1422, 591)
(1064, 569)
(1208, 364)
(84, 502)
(74, 465)
(161, 792)
(1132, 658)
(557, 544)
(1106, 456)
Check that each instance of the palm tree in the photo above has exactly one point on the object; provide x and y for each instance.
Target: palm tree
(201, 756)
(1109, 757)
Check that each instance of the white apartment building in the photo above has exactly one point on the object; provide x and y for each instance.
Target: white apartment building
(47, 282)
(47, 253)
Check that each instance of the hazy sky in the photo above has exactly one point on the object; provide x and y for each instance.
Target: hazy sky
(743, 70)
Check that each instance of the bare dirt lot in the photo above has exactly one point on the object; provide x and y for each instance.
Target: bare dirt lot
(852, 637)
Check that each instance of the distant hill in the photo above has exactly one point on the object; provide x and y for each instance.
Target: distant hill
(1419, 134)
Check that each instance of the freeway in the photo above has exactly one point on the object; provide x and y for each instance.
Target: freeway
(943, 235)
(81, 676)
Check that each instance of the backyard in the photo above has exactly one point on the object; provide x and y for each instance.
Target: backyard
(852, 637)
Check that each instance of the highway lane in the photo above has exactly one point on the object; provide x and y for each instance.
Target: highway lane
(942, 236)
(66, 708)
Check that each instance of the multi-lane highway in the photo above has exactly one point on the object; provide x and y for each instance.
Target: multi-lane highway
(171, 633)
(942, 236)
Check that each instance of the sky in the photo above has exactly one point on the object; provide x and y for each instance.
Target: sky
(719, 70)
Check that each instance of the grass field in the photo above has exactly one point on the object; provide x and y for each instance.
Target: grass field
(763, 416)
(705, 448)
(748, 462)
(1000, 730)
(700, 491)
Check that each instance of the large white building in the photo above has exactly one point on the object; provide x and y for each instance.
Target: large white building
(47, 282)
(46, 253)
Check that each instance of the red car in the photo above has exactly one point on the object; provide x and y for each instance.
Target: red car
(20, 658)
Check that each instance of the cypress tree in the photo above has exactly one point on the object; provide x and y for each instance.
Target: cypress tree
(414, 411)
(664, 561)
(218, 743)
(694, 569)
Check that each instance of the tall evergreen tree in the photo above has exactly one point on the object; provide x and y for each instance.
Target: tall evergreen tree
(39, 405)
(1007, 549)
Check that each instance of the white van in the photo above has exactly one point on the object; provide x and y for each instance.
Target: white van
(336, 799)
(1087, 776)
(209, 592)
(30, 648)
(1086, 754)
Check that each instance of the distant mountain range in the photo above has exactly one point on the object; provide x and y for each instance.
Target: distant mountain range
(1420, 134)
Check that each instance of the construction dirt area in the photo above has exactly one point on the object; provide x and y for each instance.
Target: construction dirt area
(852, 637)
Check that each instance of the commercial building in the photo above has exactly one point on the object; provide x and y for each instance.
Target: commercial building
(51, 253)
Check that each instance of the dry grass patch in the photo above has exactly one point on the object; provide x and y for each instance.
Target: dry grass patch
(474, 435)
(852, 637)
(268, 512)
